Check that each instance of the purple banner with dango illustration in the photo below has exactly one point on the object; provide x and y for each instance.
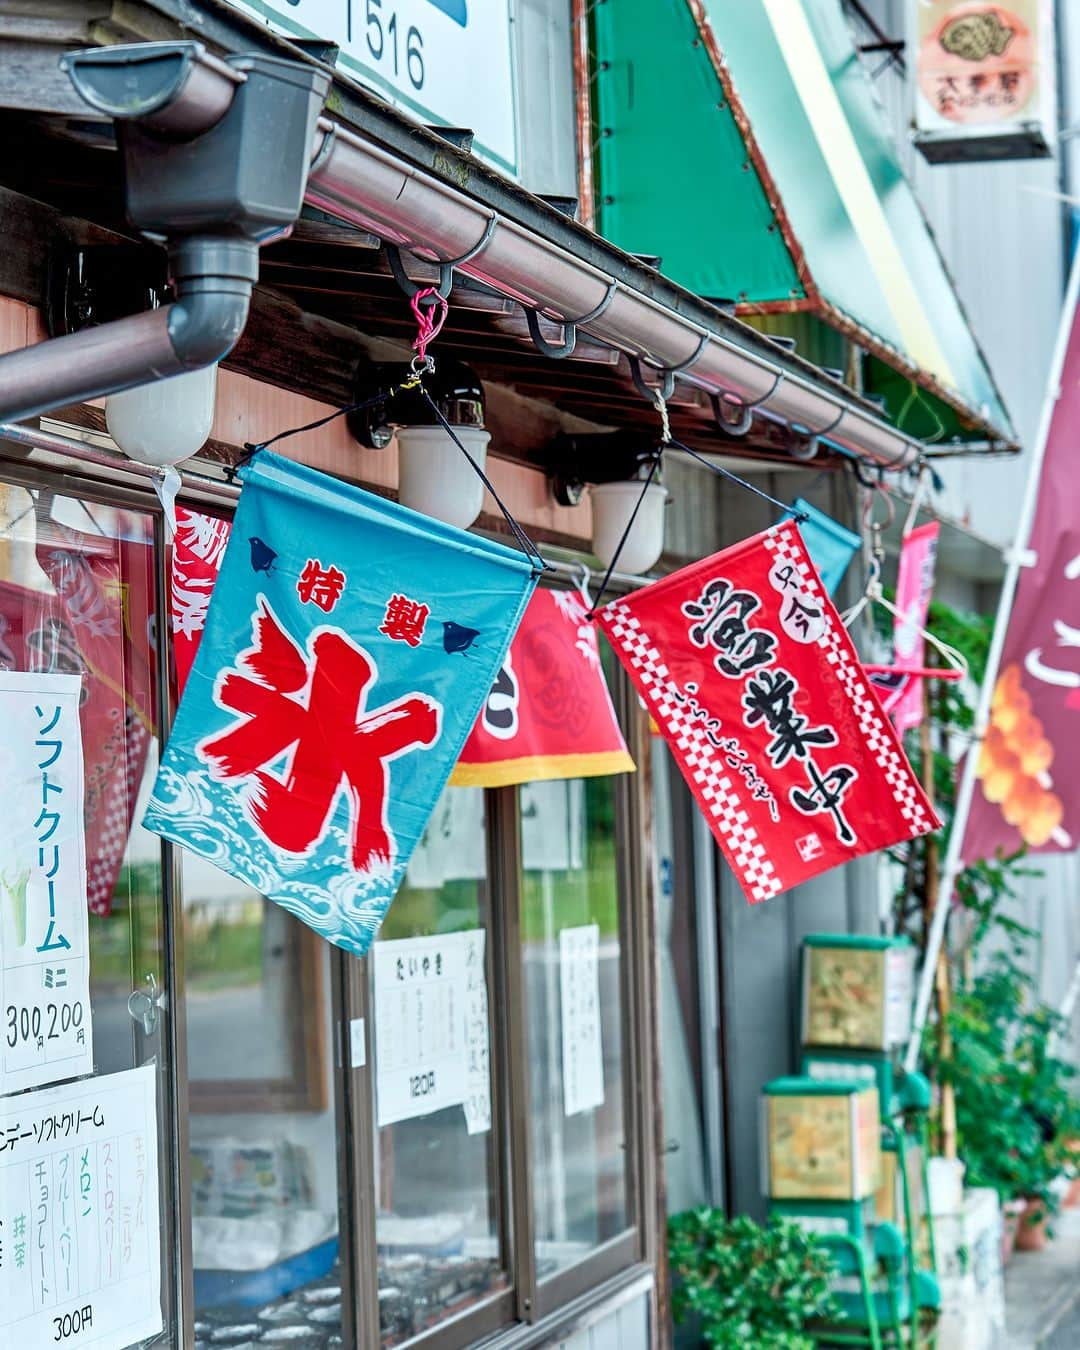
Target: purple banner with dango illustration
(1028, 790)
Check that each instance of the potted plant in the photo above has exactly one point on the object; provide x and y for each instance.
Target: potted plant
(747, 1285)
(1015, 1108)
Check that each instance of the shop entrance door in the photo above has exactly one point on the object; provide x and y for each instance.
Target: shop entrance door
(86, 1148)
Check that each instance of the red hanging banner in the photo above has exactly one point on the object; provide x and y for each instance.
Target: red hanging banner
(745, 666)
(549, 713)
(197, 550)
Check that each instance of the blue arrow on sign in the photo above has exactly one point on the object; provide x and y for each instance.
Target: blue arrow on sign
(454, 9)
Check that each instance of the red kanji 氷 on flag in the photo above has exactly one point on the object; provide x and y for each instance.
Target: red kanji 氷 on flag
(549, 713)
(755, 684)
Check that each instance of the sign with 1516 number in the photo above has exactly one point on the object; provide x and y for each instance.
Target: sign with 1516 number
(449, 62)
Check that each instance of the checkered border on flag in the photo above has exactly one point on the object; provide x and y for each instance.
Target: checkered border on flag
(720, 788)
(840, 653)
(704, 761)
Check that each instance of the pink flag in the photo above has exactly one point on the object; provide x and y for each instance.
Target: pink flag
(914, 585)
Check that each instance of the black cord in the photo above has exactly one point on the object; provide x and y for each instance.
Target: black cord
(629, 526)
(251, 449)
(526, 544)
(718, 469)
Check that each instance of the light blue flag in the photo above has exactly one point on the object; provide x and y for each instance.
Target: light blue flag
(348, 649)
(830, 545)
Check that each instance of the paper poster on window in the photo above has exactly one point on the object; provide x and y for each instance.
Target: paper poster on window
(477, 1039)
(553, 825)
(453, 847)
(44, 947)
(421, 1063)
(79, 1231)
(582, 1049)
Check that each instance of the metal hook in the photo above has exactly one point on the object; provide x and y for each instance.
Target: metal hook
(545, 348)
(582, 575)
(736, 423)
(410, 287)
(666, 389)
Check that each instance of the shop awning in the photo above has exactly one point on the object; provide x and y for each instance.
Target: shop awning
(772, 180)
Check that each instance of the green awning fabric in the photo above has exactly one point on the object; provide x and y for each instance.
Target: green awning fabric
(744, 144)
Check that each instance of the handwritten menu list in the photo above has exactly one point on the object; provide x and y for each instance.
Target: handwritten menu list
(79, 1258)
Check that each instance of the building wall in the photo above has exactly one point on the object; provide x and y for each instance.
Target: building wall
(545, 95)
(1000, 231)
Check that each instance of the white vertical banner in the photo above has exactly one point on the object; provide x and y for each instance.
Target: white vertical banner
(45, 1032)
(477, 1038)
(80, 1259)
(582, 1049)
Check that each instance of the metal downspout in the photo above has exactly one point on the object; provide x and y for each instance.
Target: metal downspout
(196, 176)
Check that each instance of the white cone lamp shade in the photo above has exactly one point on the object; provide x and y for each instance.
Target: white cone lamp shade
(612, 506)
(435, 477)
(166, 421)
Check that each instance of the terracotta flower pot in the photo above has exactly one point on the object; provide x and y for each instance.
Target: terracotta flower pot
(1031, 1235)
(1010, 1221)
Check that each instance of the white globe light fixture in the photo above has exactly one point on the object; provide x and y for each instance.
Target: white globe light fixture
(434, 477)
(612, 507)
(166, 421)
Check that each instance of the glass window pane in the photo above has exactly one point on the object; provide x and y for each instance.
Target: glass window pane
(77, 597)
(263, 1139)
(574, 1011)
(680, 1024)
(436, 1175)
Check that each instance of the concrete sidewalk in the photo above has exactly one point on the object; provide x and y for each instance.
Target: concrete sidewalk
(1042, 1292)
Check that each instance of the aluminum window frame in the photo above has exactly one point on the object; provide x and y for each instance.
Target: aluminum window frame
(528, 1312)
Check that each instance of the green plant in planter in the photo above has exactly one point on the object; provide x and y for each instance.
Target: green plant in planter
(748, 1286)
(1015, 1105)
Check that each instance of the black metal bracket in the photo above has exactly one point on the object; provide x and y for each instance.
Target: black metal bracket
(446, 269)
(90, 285)
(543, 346)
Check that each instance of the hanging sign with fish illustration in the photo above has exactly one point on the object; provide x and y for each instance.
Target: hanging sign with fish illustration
(985, 74)
(348, 648)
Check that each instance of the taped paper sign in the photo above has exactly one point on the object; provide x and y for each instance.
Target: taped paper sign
(477, 1038)
(431, 1028)
(80, 1255)
(582, 1047)
(44, 945)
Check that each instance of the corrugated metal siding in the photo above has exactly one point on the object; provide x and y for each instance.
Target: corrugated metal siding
(999, 228)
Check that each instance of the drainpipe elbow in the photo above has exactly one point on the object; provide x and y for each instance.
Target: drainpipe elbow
(204, 327)
(213, 279)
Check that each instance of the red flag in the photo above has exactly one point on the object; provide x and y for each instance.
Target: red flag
(549, 713)
(197, 551)
(1028, 770)
(755, 684)
(102, 627)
